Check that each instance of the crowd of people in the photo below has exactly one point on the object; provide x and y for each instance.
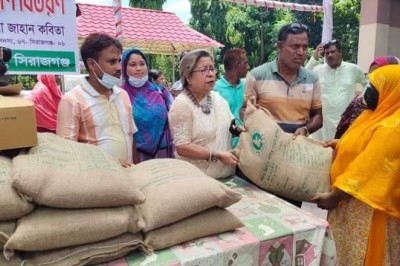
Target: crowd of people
(199, 120)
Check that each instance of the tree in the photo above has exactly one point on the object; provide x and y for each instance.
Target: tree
(256, 28)
(346, 21)
(153, 4)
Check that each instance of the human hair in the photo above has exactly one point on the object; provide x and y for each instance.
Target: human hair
(154, 74)
(333, 43)
(94, 44)
(233, 56)
(189, 62)
(3, 68)
(6, 54)
(293, 28)
(182, 54)
(125, 58)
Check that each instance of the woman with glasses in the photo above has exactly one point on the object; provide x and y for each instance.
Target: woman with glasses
(200, 118)
(364, 202)
(150, 105)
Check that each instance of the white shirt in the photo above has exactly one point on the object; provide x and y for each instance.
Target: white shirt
(338, 89)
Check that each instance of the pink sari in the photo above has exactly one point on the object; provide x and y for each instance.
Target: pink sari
(46, 96)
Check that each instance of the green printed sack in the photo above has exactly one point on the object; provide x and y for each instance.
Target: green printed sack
(297, 169)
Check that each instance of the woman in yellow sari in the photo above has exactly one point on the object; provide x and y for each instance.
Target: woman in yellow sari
(364, 201)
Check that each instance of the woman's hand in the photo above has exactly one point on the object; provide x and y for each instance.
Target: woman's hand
(330, 143)
(329, 200)
(227, 158)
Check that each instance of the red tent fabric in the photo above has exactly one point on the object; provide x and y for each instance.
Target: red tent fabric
(155, 32)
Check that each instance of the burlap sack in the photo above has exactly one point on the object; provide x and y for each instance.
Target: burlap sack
(12, 204)
(47, 228)
(65, 174)
(210, 222)
(15, 261)
(94, 253)
(296, 169)
(7, 228)
(176, 189)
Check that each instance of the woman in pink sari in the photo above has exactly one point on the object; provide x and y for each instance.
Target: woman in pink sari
(46, 95)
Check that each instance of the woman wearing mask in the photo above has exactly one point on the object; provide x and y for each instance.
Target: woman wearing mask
(356, 106)
(200, 118)
(364, 202)
(150, 105)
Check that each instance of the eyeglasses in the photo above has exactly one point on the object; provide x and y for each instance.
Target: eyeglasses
(205, 70)
(297, 27)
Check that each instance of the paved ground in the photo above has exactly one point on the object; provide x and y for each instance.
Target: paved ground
(311, 207)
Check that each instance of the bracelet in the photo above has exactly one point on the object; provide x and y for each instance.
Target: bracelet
(306, 129)
(213, 157)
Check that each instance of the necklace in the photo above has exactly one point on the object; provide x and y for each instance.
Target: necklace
(205, 107)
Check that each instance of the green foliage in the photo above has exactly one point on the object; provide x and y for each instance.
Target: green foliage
(255, 28)
(148, 4)
(346, 20)
(28, 81)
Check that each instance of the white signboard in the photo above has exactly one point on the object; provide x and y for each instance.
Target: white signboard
(41, 34)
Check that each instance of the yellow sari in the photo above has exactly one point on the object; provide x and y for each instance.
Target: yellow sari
(367, 166)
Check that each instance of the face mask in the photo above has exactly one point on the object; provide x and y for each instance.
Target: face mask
(107, 80)
(137, 83)
(371, 97)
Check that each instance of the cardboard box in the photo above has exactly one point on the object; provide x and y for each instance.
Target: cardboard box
(17, 123)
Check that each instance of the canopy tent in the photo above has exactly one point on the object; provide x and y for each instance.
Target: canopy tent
(154, 31)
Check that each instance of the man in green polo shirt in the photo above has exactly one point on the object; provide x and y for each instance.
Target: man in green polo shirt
(230, 86)
(290, 92)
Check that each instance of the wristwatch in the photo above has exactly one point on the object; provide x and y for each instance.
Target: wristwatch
(213, 157)
(306, 129)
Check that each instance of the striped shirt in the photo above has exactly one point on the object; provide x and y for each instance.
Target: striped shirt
(86, 116)
(287, 103)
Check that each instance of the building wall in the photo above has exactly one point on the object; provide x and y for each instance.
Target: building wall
(379, 30)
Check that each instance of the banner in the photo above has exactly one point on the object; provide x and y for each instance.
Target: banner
(41, 34)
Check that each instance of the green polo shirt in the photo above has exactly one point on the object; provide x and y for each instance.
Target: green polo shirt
(234, 96)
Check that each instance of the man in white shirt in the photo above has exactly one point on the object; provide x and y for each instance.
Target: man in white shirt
(338, 80)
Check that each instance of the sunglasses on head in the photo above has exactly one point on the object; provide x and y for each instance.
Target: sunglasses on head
(297, 27)
(329, 43)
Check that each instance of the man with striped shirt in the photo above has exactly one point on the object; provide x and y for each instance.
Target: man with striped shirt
(289, 91)
(97, 111)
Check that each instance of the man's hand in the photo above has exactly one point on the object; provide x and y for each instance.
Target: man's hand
(300, 131)
(319, 50)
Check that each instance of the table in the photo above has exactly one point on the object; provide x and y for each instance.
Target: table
(275, 233)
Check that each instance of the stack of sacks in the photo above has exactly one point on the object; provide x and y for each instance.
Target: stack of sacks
(297, 169)
(182, 203)
(12, 205)
(87, 211)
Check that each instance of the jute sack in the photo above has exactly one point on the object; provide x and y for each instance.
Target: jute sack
(47, 228)
(12, 204)
(176, 189)
(296, 169)
(62, 173)
(15, 261)
(209, 222)
(7, 228)
(94, 253)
